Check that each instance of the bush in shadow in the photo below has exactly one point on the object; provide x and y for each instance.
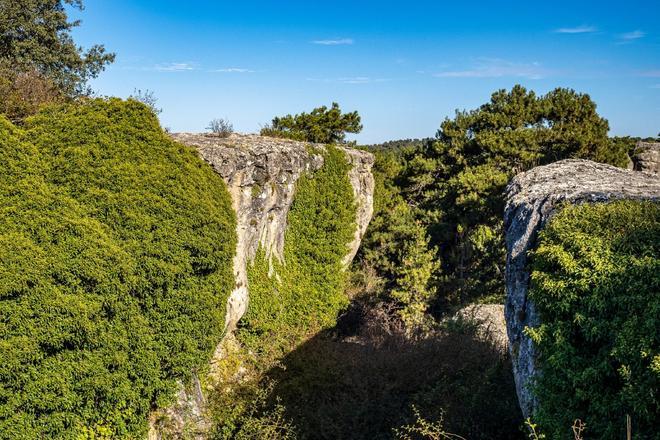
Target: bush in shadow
(365, 378)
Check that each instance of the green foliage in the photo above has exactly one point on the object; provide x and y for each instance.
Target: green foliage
(595, 283)
(117, 245)
(397, 248)
(456, 183)
(322, 125)
(424, 429)
(37, 37)
(396, 146)
(290, 300)
(306, 291)
(412, 288)
(243, 412)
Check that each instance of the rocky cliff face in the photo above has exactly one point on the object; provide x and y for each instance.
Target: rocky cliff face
(261, 174)
(532, 198)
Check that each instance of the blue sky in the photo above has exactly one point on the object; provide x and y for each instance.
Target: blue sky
(404, 66)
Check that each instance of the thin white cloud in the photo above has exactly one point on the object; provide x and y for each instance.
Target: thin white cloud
(334, 42)
(233, 70)
(355, 80)
(631, 36)
(175, 67)
(650, 73)
(584, 29)
(349, 80)
(497, 68)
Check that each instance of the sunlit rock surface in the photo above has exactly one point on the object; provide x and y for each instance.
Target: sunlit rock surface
(647, 157)
(261, 175)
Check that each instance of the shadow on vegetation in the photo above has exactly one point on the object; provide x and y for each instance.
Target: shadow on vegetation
(363, 378)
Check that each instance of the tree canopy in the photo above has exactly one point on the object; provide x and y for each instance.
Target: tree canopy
(36, 34)
(453, 184)
(39, 61)
(322, 125)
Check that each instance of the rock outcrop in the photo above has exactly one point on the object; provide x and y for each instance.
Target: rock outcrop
(647, 157)
(532, 198)
(490, 322)
(261, 174)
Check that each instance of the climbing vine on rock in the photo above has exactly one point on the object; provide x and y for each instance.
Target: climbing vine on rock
(305, 292)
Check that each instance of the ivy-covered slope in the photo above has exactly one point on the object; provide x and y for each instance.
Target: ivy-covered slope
(115, 265)
(596, 284)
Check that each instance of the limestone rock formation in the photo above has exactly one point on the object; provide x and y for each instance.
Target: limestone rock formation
(532, 198)
(647, 157)
(490, 322)
(261, 174)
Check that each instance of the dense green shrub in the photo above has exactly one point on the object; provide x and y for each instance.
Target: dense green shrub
(596, 284)
(116, 247)
(307, 291)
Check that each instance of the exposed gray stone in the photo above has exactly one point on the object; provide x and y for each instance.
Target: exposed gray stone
(647, 157)
(532, 197)
(490, 322)
(261, 175)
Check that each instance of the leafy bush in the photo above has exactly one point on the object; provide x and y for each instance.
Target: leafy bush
(595, 282)
(321, 125)
(117, 245)
(23, 92)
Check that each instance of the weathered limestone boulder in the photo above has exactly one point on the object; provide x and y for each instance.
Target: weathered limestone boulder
(261, 174)
(490, 322)
(532, 198)
(647, 157)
